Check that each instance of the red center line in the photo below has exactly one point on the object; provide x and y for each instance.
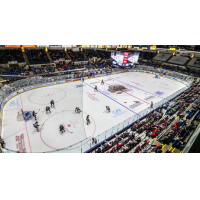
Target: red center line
(13, 134)
(130, 94)
(26, 126)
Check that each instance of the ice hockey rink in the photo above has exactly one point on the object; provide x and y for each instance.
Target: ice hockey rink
(126, 94)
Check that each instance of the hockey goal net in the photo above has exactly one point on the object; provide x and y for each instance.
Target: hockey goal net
(20, 115)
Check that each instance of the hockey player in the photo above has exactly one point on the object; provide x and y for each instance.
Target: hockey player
(95, 89)
(88, 119)
(102, 83)
(52, 103)
(62, 128)
(48, 109)
(108, 108)
(2, 142)
(151, 106)
(34, 115)
(77, 110)
(36, 126)
(27, 115)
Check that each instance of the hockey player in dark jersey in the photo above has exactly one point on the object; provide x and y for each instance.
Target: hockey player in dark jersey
(108, 108)
(95, 89)
(34, 115)
(52, 103)
(77, 110)
(102, 82)
(36, 126)
(48, 109)
(27, 115)
(62, 128)
(88, 119)
(151, 106)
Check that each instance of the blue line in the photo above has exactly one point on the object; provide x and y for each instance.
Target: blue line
(137, 88)
(113, 100)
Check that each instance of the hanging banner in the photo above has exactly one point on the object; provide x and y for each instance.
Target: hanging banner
(28, 45)
(55, 46)
(40, 46)
(153, 47)
(100, 46)
(76, 49)
(67, 46)
(12, 45)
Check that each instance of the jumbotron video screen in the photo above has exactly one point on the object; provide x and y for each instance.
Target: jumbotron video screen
(125, 57)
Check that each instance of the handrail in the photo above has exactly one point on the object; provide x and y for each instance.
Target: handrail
(192, 140)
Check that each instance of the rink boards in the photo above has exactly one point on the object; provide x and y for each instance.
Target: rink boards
(126, 94)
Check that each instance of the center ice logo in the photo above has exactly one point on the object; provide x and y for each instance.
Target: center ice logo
(117, 88)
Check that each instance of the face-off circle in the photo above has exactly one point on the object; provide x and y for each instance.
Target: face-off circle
(43, 96)
(74, 129)
(167, 85)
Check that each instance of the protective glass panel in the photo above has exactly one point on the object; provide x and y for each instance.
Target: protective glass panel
(101, 137)
(86, 145)
(126, 122)
(109, 132)
(115, 129)
(131, 120)
(121, 126)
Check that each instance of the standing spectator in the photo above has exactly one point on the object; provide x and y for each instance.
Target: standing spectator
(94, 141)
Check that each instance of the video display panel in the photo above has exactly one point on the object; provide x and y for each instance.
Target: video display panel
(133, 58)
(123, 57)
(118, 56)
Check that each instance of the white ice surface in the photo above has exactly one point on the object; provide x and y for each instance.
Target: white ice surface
(69, 95)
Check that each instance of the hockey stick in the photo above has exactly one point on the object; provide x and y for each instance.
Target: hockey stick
(77, 112)
(68, 131)
(37, 112)
(45, 111)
